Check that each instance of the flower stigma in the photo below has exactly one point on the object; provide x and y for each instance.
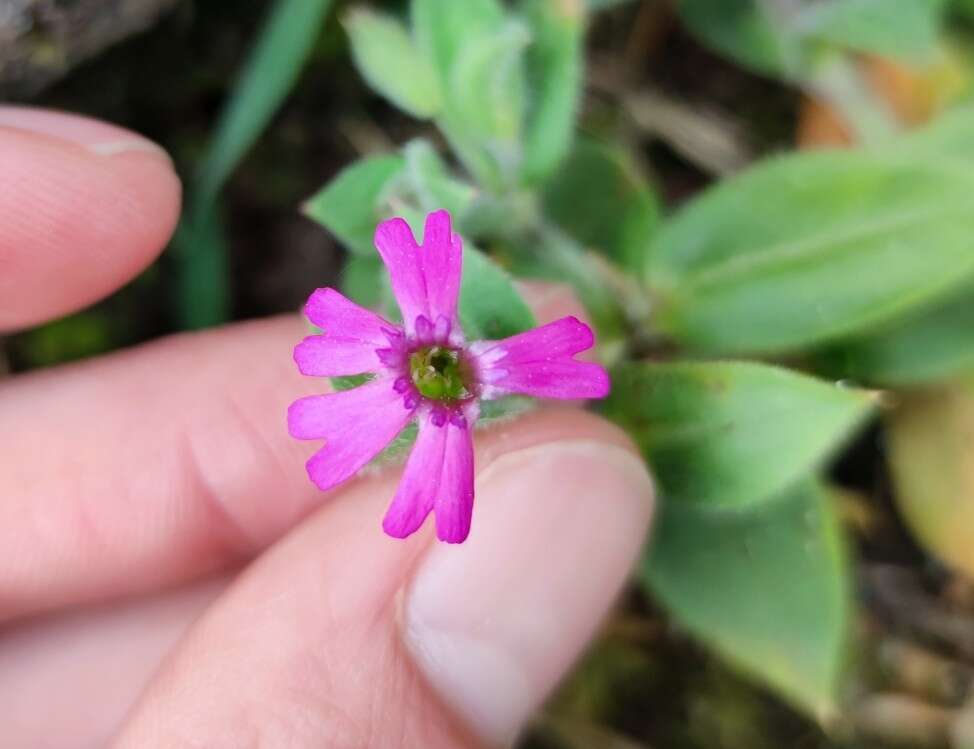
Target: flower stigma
(438, 374)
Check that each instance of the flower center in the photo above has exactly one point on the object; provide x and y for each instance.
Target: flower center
(438, 373)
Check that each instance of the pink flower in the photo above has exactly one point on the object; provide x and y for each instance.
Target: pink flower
(423, 370)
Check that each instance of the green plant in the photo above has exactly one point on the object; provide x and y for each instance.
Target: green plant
(735, 326)
(271, 70)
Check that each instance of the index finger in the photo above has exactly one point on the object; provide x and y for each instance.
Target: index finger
(84, 207)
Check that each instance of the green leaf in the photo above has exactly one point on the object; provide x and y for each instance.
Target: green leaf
(353, 203)
(935, 345)
(270, 72)
(433, 185)
(549, 254)
(364, 279)
(347, 382)
(898, 30)
(490, 306)
(600, 199)
(768, 589)
(77, 336)
(199, 247)
(742, 30)
(964, 7)
(391, 63)
(731, 434)
(272, 67)
(812, 247)
(444, 28)
(950, 138)
(478, 53)
(470, 151)
(773, 39)
(554, 74)
(487, 89)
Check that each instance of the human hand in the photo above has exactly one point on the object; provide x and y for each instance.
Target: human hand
(176, 580)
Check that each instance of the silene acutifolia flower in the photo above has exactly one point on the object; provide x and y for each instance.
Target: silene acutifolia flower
(423, 370)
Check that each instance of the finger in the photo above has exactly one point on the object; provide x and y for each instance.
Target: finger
(550, 300)
(153, 466)
(150, 467)
(68, 680)
(84, 206)
(363, 641)
(112, 650)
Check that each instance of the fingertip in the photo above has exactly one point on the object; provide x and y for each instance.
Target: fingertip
(84, 207)
(494, 623)
(99, 137)
(552, 301)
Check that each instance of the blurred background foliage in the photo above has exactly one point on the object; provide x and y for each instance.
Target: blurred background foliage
(767, 207)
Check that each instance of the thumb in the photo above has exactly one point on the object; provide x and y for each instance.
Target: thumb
(339, 636)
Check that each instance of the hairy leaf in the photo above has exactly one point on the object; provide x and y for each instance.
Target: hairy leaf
(391, 63)
(935, 345)
(768, 589)
(353, 203)
(600, 199)
(554, 74)
(812, 247)
(731, 434)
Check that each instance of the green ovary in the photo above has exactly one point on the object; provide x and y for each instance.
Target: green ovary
(438, 374)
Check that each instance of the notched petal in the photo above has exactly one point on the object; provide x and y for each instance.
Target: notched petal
(442, 265)
(356, 425)
(335, 314)
(400, 253)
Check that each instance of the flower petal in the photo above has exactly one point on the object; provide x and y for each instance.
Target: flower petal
(538, 362)
(442, 261)
(454, 499)
(397, 247)
(420, 482)
(565, 379)
(561, 338)
(337, 315)
(335, 356)
(356, 425)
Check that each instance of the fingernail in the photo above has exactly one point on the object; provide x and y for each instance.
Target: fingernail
(113, 148)
(98, 137)
(494, 623)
